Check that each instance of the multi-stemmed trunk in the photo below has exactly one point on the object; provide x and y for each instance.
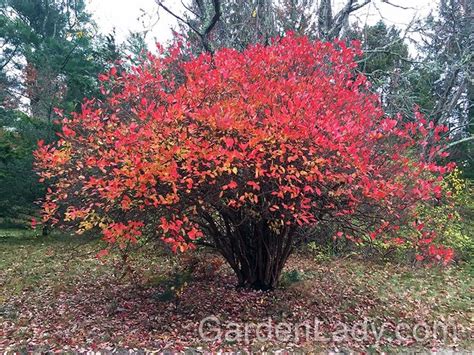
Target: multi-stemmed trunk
(256, 250)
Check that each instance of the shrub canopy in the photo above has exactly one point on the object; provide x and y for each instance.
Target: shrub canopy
(242, 150)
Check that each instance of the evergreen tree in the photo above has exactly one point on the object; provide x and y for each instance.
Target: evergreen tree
(50, 58)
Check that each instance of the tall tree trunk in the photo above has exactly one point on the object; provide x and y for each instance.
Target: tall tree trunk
(325, 19)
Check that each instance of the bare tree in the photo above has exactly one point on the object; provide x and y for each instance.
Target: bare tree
(330, 26)
(203, 29)
(448, 43)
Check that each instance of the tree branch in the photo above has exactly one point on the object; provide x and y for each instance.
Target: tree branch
(338, 21)
(204, 36)
(398, 6)
(179, 18)
(452, 144)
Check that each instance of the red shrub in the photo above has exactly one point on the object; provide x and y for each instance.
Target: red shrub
(240, 149)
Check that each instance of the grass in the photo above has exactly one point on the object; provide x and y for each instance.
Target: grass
(56, 295)
(28, 260)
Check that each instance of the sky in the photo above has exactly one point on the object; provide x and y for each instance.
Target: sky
(139, 15)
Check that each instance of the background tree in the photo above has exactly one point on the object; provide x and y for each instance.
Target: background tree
(385, 62)
(211, 24)
(447, 66)
(50, 58)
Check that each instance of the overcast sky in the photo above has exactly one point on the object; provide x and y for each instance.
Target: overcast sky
(137, 15)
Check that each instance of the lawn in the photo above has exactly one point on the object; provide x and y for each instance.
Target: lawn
(56, 295)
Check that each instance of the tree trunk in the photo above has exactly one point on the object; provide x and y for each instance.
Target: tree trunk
(45, 230)
(256, 252)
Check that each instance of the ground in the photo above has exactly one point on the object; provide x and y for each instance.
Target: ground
(56, 295)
